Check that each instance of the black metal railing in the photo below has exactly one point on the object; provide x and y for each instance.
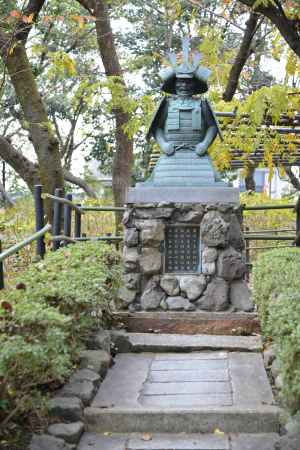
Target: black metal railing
(271, 235)
(61, 227)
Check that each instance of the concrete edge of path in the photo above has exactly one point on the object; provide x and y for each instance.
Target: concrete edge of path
(145, 342)
(264, 419)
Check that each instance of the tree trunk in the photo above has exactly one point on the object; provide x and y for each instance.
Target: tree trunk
(241, 58)
(123, 158)
(8, 201)
(43, 139)
(288, 28)
(249, 178)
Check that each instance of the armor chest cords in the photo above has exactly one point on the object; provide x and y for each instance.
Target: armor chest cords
(184, 122)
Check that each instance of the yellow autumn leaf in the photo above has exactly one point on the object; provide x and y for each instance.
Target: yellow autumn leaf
(12, 49)
(219, 432)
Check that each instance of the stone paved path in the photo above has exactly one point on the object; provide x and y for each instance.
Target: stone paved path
(222, 399)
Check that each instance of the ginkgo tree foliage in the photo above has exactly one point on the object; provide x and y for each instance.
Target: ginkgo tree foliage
(81, 75)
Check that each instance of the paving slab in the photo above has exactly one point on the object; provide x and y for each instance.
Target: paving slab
(189, 375)
(254, 442)
(182, 441)
(152, 342)
(183, 392)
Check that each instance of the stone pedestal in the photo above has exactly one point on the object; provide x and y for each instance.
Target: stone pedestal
(208, 277)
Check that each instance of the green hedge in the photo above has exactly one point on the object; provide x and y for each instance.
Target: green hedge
(44, 321)
(276, 285)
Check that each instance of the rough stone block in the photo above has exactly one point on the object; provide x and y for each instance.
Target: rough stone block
(279, 382)
(209, 255)
(179, 304)
(153, 295)
(46, 442)
(235, 235)
(215, 297)
(170, 285)
(86, 375)
(99, 341)
(66, 408)
(70, 432)
(153, 213)
(209, 268)
(150, 261)
(230, 265)
(192, 215)
(127, 217)
(214, 230)
(269, 355)
(131, 237)
(275, 368)
(132, 281)
(151, 236)
(240, 296)
(96, 360)
(84, 390)
(192, 286)
(130, 258)
(126, 295)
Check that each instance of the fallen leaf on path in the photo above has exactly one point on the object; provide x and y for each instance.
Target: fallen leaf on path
(219, 432)
(147, 437)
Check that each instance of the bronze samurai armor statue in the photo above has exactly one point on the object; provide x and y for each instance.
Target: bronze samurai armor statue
(184, 126)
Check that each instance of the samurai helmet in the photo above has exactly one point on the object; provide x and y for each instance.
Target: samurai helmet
(185, 70)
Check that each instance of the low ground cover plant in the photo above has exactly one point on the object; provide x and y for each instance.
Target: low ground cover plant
(45, 319)
(277, 295)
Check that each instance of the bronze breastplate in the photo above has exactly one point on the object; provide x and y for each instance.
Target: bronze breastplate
(184, 122)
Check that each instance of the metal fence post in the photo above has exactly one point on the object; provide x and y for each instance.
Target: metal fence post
(57, 213)
(1, 270)
(77, 231)
(39, 219)
(297, 208)
(67, 217)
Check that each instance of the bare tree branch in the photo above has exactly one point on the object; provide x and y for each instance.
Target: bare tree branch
(79, 182)
(89, 5)
(295, 181)
(289, 28)
(241, 58)
(29, 172)
(33, 9)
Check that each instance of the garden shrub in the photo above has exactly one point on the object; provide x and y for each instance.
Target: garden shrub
(274, 272)
(284, 327)
(45, 319)
(277, 295)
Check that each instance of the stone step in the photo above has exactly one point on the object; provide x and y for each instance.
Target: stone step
(199, 322)
(187, 392)
(217, 441)
(154, 342)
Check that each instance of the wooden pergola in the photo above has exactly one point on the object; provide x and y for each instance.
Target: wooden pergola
(285, 126)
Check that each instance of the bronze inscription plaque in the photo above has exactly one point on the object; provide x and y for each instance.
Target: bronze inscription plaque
(182, 249)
